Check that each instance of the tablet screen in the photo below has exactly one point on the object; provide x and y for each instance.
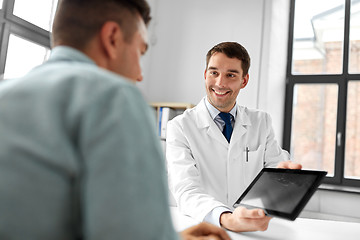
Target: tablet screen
(281, 192)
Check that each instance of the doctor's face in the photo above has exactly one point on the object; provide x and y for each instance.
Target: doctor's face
(223, 80)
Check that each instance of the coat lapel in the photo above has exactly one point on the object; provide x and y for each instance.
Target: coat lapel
(241, 122)
(204, 120)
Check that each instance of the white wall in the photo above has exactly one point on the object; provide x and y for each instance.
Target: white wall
(181, 33)
(333, 205)
(274, 62)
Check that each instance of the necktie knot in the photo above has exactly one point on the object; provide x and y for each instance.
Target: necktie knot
(227, 131)
(226, 117)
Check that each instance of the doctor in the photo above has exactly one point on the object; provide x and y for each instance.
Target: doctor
(216, 149)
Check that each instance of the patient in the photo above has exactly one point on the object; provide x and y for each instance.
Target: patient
(79, 157)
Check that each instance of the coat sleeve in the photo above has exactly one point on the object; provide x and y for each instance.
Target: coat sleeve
(184, 176)
(273, 152)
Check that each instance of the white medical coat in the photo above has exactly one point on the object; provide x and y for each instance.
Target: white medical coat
(204, 170)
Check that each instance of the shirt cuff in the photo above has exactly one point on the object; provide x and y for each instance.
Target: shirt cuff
(213, 217)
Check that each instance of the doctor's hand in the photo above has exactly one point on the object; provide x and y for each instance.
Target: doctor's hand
(289, 165)
(204, 231)
(245, 220)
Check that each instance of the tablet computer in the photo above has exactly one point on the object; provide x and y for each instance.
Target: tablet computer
(281, 192)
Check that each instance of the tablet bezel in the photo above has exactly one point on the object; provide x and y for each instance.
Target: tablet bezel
(295, 213)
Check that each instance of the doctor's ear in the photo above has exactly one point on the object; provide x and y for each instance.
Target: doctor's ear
(205, 74)
(245, 81)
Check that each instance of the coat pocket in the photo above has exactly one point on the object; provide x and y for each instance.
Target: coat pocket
(254, 162)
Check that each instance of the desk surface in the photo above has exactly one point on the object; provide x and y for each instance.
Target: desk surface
(279, 229)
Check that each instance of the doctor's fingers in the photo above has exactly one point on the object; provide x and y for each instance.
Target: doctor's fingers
(289, 165)
(242, 212)
(257, 224)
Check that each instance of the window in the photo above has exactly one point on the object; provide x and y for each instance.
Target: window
(322, 120)
(318, 37)
(45, 11)
(352, 141)
(314, 105)
(25, 39)
(17, 63)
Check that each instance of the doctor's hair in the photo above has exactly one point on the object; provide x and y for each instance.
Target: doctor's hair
(231, 50)
(76, 22)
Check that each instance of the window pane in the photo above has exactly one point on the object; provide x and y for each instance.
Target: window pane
(352, 144)
(318, 37)
(354, 55)
(18, 63)
(314, 126)
(44, 9)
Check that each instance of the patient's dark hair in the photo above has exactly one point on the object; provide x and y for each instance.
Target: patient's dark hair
(78, 21)
(231, 50)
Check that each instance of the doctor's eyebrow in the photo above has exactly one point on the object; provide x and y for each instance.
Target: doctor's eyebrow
(212, 68)
(233, 71)
(229, 70)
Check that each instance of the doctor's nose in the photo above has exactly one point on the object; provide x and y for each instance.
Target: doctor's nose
(221, 81)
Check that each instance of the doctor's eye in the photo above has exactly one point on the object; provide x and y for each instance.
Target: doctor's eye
(213, 73)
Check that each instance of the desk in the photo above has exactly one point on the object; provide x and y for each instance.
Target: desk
(279, 229)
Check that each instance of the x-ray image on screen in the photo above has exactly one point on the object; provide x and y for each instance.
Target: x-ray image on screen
(279, 191)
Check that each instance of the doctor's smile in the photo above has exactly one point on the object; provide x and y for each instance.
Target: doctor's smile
(220, 93)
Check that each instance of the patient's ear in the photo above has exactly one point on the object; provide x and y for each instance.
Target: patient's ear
(112, 39)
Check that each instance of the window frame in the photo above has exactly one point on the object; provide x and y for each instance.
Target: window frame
(11, 24)
(340, 79)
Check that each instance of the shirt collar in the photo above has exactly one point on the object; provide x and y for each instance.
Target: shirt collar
(214, 112)
(65, 53)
